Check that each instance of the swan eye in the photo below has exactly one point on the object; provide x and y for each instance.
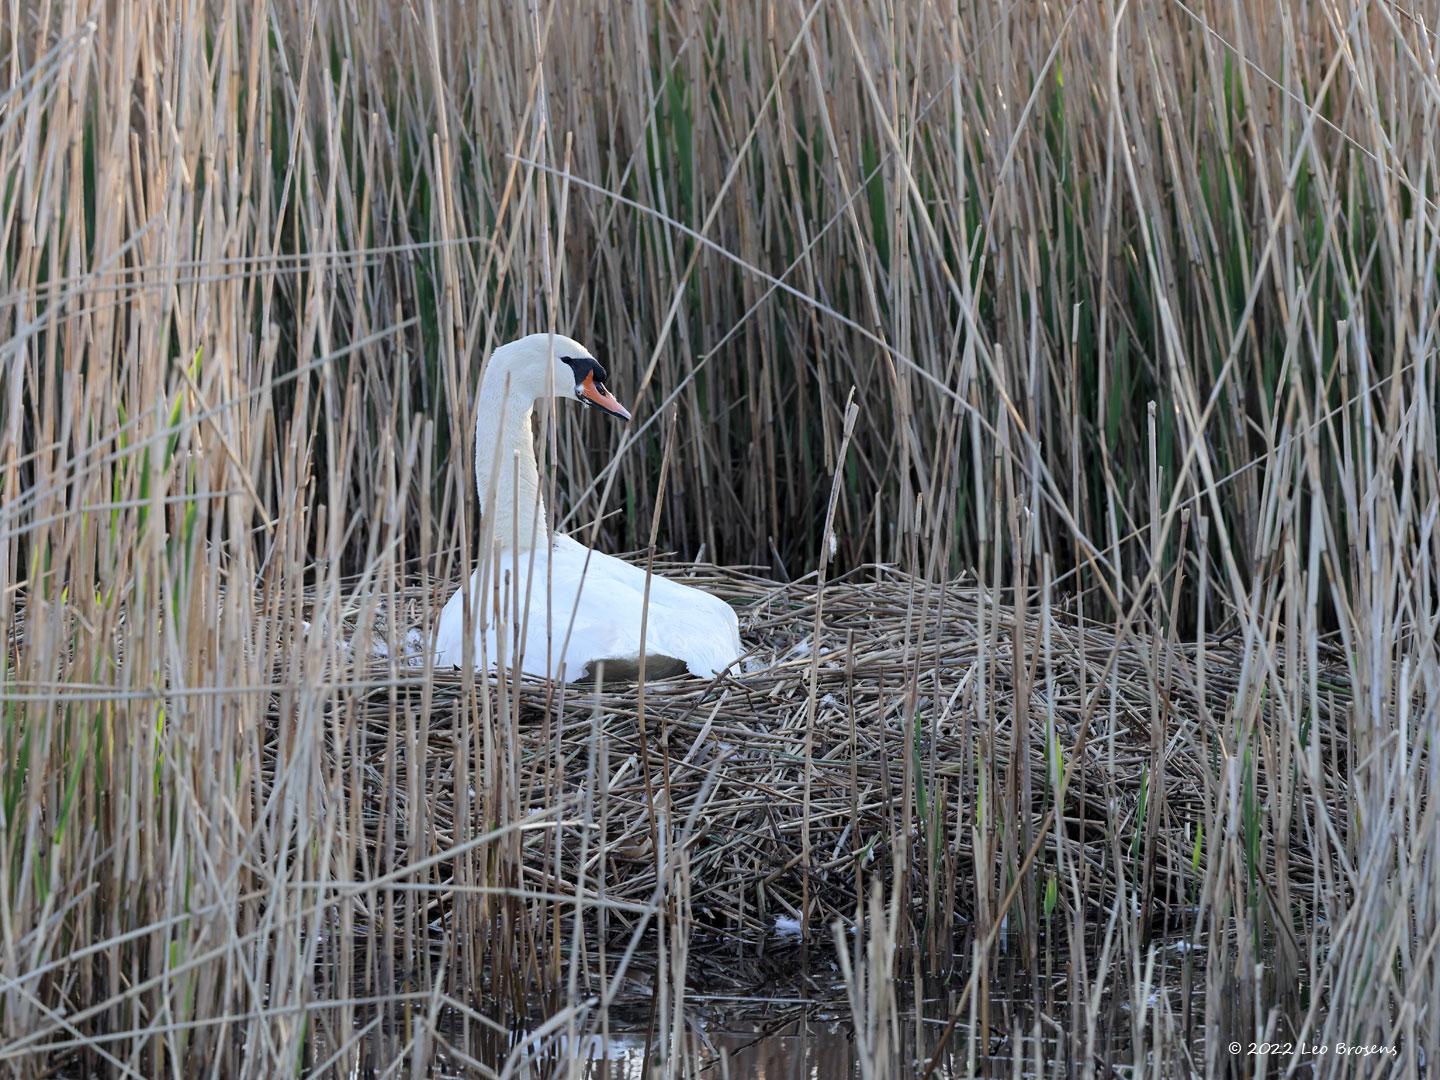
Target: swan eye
(582, 366)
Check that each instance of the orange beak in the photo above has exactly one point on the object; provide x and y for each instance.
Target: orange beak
(592, 393)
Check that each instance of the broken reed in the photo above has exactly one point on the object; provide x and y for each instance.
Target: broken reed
(253, 255)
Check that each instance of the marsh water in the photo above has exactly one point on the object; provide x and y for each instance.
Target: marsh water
(789, 1043)
(798, 1049)
(784, 1041)
(806, 1031)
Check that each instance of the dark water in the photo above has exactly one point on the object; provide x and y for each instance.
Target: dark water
(786, 1039)
(796, 1022)
(796, 1051)
(789, 1049)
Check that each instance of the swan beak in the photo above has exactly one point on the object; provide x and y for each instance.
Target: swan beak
(592, 393)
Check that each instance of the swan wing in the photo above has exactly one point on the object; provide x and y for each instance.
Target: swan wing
(685, 623)
(581, 606)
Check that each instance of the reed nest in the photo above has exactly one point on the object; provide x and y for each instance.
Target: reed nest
(868, 729)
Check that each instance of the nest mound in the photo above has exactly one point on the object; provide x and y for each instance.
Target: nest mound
(881, 724)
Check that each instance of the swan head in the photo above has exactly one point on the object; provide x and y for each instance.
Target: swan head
(552, 365)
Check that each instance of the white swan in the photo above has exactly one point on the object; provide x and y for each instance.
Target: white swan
(537, 580)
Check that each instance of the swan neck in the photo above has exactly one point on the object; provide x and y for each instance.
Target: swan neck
(507, 475)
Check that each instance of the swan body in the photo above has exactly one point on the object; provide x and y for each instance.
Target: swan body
(607, 598)
(543, 598)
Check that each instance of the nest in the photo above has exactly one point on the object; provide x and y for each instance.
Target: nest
(880, 727)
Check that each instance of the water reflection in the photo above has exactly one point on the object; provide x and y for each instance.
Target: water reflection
(1022, 1025)
(805, 1053)
(797, 1049)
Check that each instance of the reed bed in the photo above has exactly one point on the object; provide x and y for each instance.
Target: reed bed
(1052, 388)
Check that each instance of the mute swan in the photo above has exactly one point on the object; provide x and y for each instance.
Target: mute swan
(536, 578)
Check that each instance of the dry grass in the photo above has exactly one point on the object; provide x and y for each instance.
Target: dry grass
(1125, 562)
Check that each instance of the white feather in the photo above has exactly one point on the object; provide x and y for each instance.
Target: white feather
(536, 594)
